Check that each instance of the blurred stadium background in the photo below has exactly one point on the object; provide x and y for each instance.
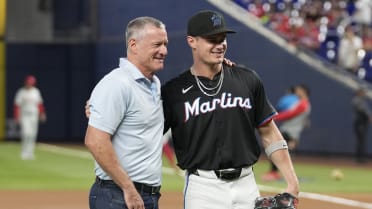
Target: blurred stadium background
(70, 44)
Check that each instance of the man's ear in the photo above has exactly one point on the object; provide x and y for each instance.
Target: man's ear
(132, 46)
(191, 41)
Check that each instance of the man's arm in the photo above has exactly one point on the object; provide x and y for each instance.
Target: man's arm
(270, 135)
(99, 144)
(301, 107)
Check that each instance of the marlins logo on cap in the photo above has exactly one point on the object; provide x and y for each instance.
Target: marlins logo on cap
(207, 22)
(216, 20)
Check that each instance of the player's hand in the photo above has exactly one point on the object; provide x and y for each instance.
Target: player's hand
(279, 201)
(133, 200)
(87, 111)
(228, 62)
(292, 190)
(43, 118)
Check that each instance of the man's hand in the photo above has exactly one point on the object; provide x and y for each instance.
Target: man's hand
(228, 62)
(87, 111)
(133, 200)
(43, 117)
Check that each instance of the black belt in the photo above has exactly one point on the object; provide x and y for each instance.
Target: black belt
(230, 174)
(139, 186)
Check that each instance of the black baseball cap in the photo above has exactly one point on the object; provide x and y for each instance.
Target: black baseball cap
(206, 23)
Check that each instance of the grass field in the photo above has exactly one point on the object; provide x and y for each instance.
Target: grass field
(60, 168)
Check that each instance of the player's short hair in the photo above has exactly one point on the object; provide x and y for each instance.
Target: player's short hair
(135, 27)
(305, 88)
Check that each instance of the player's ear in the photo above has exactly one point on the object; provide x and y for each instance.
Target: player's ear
(191, 41)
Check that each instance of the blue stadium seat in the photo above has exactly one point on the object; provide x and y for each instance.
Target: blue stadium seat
(329, 47)
(366, 67)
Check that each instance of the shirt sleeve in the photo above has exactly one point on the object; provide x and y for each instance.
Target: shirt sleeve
(301, 107)
(40, 98)
(108, 104)
(264, 109)
(17, 98)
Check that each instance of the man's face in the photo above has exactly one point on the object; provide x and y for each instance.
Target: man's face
(300, 92)
(152, 48)
(211, 49)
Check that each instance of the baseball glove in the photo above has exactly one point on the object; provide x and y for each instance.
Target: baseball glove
(279, 201)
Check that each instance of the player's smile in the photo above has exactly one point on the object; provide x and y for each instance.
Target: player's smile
(219, 53)
(219, 44)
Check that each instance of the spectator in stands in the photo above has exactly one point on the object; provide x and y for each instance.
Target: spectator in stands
(336, 14)
(367, 39)
(279, 22)
(310, 39)
(316, 25)
(362, 15)
(256, 8)
(350, 44)
(362, 118)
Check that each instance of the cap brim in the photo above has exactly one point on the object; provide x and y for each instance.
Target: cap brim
(223, 30)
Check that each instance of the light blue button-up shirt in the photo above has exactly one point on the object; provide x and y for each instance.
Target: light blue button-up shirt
(127, 105)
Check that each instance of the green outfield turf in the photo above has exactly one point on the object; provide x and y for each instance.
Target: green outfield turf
(317, 178)
(50, 170)
(57, 168)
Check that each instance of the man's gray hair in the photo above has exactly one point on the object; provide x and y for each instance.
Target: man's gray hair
(135, 27)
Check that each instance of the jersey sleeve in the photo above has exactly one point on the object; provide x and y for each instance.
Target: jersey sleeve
(264, 110)
(18, 97)
(39, 97)
(17, 104)
(108, 105)
(40, 101)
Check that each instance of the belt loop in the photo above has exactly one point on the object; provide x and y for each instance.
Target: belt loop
(99, 181)
(141, 189)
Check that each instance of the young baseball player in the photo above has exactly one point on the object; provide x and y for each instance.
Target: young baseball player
(213, 111)
(28, 110)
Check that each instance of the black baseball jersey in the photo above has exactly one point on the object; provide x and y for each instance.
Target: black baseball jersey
(216, 132)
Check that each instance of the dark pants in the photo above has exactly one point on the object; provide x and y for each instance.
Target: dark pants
(361, 130)
(105, 195)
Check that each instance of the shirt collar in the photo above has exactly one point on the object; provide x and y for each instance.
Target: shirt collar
(133, 70)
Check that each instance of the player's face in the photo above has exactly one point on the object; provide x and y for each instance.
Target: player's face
(300, 92)
(211, 49)
(152, 49)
